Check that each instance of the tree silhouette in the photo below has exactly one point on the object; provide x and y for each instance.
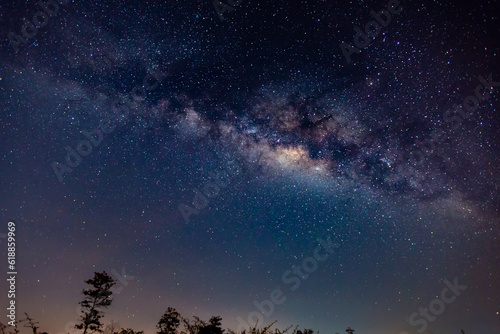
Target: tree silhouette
(192, 328)
(95, 301)
(213, 326)
(31, 323)
(169, 322)
(349, 330)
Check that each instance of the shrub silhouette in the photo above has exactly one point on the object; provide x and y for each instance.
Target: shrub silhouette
(201, 327)
(129, 331)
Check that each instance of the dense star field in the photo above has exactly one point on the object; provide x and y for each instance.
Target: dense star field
(327, 164)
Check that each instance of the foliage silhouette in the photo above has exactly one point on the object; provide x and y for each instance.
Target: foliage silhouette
(198, 326)
(95, 301)
(129, 331)
(169, 322)
(31, 323)
(112, 327)
(305, 331)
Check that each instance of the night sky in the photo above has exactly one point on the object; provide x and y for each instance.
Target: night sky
(213, 158)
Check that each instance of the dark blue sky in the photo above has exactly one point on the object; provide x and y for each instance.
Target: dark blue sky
(245, 168)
